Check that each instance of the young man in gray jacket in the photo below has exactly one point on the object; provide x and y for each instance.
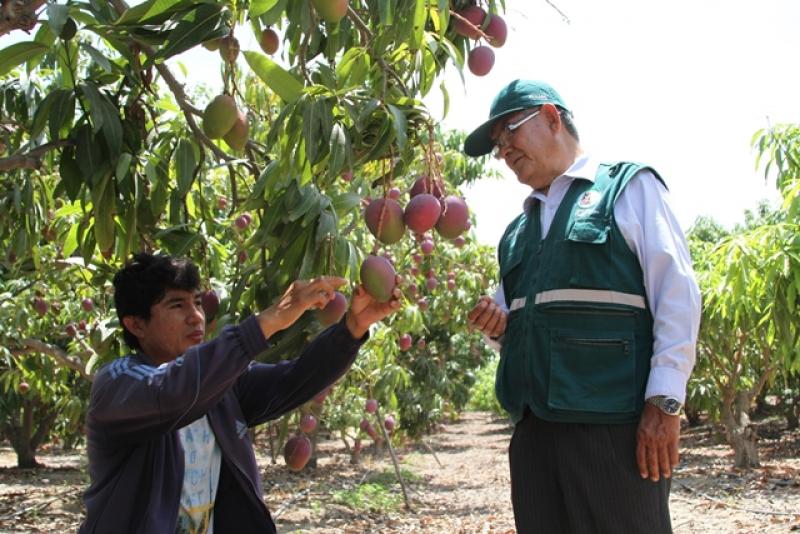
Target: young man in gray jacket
(167, 425)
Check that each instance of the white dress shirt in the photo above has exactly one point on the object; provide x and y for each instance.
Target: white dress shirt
(652, 232)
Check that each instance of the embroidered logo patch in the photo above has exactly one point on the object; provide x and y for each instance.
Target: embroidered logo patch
(589, 199)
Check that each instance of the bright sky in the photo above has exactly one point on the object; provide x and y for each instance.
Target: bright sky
(681, 85)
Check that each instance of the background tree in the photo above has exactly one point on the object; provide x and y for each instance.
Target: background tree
(750, 280)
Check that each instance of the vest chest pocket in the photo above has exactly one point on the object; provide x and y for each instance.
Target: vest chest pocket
(592, 371)
(592, 230)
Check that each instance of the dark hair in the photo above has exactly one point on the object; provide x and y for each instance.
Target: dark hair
(569, 124)
(144, 280)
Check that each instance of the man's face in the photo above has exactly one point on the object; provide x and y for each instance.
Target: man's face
(527, 149)
(176, 323)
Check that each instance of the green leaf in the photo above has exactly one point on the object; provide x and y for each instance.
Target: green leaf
(97, 56)
(185, 164)
(177, 239)
(259, 7)
(56, 16)
(159, 6)
(274, 14)
(147, 11)
(103, 198)
(44, 36)
(400, 125)
(70, 173)
(446, 98)
(43, 113)
(338, 150)
(345, 202)
(312, 130)
(61, 112)
(420, 15)
(123, 165)
(197, 27)
(88, 154)
(104, 116)
(19, 53)
(386, 12)
(283, 83)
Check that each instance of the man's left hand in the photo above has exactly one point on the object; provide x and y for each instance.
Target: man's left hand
(657, 443)
(365, 310)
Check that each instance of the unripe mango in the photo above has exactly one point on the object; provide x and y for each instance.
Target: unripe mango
(331, 11)
(422, 212)
(393, 228)
(219, 116)
(239, 133)
(212, 45)
(378, 277)
(454, 218)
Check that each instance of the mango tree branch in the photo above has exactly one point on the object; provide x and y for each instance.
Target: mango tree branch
(71, 362)
(189, 111)
(19, 15)
(366, 33)
(31, 159)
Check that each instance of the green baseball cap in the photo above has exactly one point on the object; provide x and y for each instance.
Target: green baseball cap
(516, 96)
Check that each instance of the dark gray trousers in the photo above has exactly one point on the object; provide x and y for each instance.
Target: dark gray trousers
(576, 478)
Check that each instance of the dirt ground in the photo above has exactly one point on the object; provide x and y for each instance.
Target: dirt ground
(459, 485)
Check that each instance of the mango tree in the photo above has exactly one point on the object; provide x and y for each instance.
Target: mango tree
(750, 281)
(104, 151)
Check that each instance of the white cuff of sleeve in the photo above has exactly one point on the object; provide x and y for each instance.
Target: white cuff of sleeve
(666, 381)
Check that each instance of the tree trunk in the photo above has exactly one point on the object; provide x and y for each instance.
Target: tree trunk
(26, 456)
(692, 415)
(25, 438)
(792, 412)
(355, 454)
(739, 432)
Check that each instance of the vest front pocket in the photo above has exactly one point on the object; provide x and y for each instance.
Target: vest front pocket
(592, 371)
(512, 374)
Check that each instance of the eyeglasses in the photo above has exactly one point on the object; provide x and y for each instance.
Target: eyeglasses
(508, 130)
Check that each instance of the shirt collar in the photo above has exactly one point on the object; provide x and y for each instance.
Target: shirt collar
(584, 167)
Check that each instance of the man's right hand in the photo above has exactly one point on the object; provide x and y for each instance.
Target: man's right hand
(488, 317)
(299, 297)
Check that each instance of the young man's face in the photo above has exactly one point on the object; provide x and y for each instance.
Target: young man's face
(176, 323)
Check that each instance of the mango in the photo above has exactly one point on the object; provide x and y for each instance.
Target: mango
(219, 116)
(239, 133)
(393, 228)
(422, 212)
(454, 219)
(378, 277)
(332, 11)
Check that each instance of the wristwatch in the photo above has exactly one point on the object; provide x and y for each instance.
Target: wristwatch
(668, 405)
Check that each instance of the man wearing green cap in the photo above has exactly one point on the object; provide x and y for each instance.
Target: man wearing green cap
(597, 316)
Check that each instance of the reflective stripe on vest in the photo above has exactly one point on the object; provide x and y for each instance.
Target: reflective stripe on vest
(517, 304)
(589, 295)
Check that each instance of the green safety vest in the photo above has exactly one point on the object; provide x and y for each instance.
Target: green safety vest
(579, 335)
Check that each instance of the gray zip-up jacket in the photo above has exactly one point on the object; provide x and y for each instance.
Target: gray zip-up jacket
(135, 456)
